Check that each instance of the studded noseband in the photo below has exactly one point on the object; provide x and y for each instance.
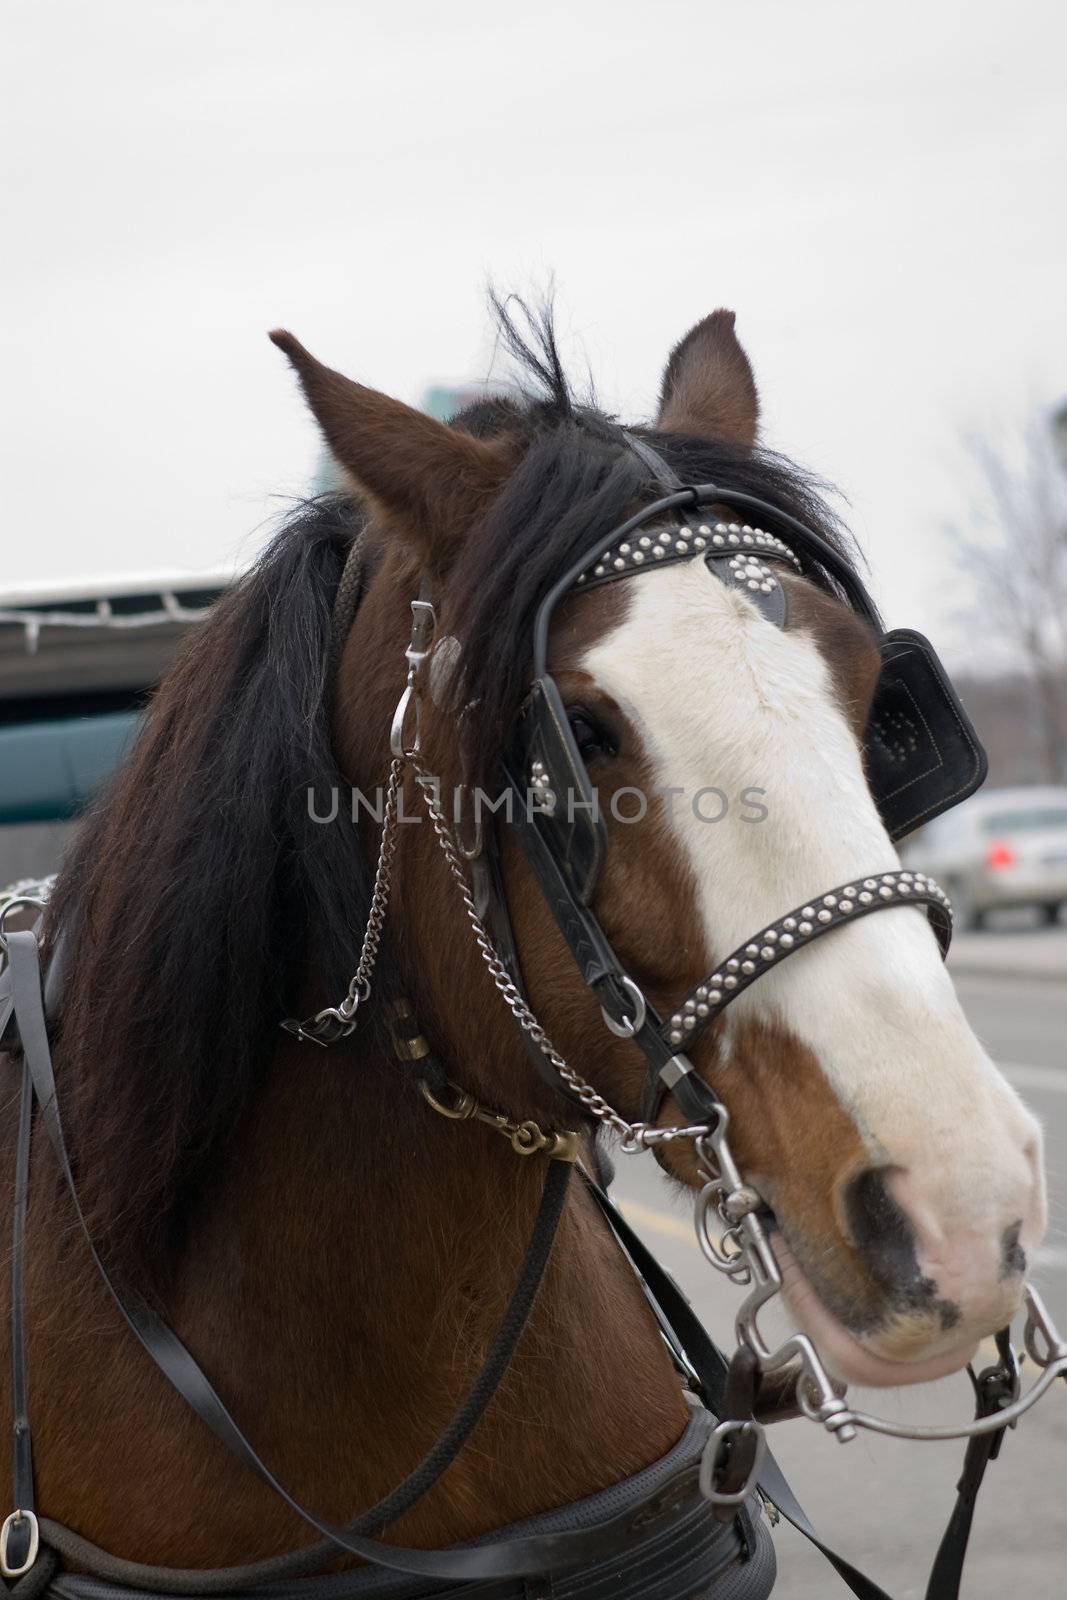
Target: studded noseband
(800, 927)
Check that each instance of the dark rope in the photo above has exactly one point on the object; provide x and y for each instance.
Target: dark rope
(33, 1584)
(346, 602)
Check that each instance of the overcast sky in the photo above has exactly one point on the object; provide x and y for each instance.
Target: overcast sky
(877, 191)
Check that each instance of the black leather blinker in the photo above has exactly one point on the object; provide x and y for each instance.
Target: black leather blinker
(922, 753)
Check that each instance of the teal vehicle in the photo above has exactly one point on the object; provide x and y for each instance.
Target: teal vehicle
(76, 666)
(77, 662)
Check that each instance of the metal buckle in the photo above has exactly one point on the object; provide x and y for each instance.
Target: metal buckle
(423, 625)
(726, 1438)
(15, 1520)
(626, 1027)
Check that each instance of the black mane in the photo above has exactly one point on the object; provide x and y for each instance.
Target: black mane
(198, 888)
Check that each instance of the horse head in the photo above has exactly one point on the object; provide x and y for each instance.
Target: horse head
(900, 1173)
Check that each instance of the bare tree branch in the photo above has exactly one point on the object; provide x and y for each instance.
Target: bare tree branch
(1016, 558)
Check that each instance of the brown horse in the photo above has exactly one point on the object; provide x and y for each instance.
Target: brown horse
(336, 1254)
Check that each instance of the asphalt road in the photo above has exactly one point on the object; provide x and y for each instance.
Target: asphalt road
(884, 1502)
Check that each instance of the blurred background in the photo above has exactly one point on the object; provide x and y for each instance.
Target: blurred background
(877, 193)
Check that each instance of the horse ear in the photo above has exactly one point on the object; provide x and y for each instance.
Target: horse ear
(433, 480)
(708, 387)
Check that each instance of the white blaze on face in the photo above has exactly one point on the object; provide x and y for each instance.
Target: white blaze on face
(721, 697)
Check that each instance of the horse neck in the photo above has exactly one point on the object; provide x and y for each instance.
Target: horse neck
(379, 1245)
(345, 1265)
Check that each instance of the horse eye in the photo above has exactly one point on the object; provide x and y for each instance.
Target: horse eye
(590, 735)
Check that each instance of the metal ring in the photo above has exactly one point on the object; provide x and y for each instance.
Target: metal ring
(463, 1109)
(527, 1139)
(627, 1028)
(11, 905)
(335, 1014)
(400, 749)
(357, 996)
(15, 1519)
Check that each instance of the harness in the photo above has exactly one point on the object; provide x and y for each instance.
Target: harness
(923, 755)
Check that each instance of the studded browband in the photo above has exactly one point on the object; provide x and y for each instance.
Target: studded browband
(799, 928)
(747, 547)
(737, 554)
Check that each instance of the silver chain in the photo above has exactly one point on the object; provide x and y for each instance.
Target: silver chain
(359, 988)
(635, 1135)
(594, 1103)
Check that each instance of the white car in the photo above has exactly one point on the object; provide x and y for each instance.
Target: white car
(1003, 847)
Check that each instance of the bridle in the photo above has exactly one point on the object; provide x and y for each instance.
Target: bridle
(565, 865)
(743, 557)
(729, 1211)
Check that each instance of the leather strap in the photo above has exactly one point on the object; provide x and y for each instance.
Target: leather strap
(600, 967)
(19, 1540)
(19, 1536)
(991, 1394)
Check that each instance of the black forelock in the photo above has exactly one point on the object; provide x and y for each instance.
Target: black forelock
(577, 478)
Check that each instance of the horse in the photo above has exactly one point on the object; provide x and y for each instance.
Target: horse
(333, 1250)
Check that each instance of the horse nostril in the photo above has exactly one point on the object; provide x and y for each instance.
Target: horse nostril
(1012, 1254)
(880, 1228)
